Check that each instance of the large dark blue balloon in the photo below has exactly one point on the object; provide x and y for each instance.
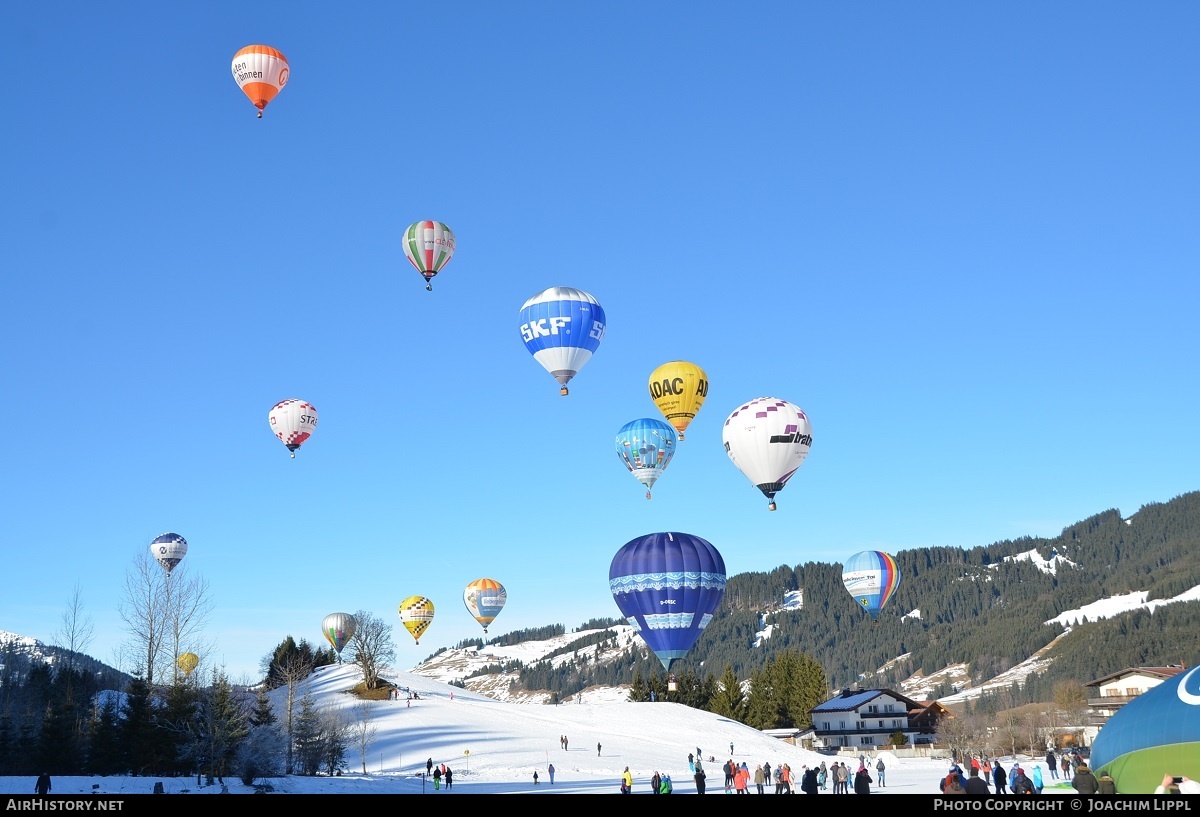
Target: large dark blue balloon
(668, 585)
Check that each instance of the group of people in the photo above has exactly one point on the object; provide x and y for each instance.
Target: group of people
(739, 779)
(442, 772)
(1017, 779)
(661, 784)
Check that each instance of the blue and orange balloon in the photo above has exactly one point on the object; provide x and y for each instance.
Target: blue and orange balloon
(871, 577)
(485, 598)
(668, 586)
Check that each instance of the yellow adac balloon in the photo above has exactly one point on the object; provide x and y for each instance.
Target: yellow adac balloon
(188, 662)
(678, 389)
(417, 614)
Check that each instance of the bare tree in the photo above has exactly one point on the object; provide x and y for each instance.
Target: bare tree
(162, 612)
(371, 647)
(364, 730)
(290, 672)
(1010, 726)
(954, 732)
(77, 628)
(75, 635)
(1071, 699)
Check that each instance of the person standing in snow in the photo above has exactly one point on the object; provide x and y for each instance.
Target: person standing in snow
(437, 777)
(448, 774)
(597, 750)
(999, 777)
(862, 781)
(879, 768)
(699, 776)
(550, 771)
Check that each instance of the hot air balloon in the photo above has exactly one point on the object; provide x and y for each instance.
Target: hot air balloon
(668, 585)
(169, 549)
(261, 72)
(338, 629)
(768, 440)
(293, 422)
(646, 446)
(187, 662)
(1156, 733)
(429, 246)
(678, 389)
(562, 327)
(417, 613)
(485, 598)
(871, 577)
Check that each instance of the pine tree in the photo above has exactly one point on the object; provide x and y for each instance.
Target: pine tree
(103, 739)
(138, 740)
(264, 712)
(729, 699)
(308, 738)
(221, 725)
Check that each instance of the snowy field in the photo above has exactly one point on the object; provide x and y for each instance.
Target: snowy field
(494, 747)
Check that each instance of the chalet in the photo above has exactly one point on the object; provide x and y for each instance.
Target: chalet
(869, 717)
(1108, 694)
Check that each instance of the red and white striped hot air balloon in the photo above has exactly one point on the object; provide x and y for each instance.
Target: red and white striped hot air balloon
(429, 245)
(261, 72)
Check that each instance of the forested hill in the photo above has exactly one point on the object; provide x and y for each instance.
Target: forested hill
(985, 607)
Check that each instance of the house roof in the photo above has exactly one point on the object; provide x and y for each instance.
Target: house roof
(1161, 672)
(851, 699)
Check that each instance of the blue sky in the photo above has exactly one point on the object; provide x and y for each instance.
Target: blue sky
(961, 237)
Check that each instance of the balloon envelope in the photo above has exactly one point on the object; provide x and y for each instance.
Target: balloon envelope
(871, 577)
(678, 389)
(1156, 733)
(338, 629)
(417, 613)
(429, 246)
(485, 598)
(169, 549)
(768, 440)
(293, 422)
(261, 72)
(187, 662)
(562, 327)
(668, 585)
(646, 447)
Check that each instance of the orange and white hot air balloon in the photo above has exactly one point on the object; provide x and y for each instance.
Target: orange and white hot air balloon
(261, 72)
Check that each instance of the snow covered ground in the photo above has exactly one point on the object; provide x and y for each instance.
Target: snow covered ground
(494, 747)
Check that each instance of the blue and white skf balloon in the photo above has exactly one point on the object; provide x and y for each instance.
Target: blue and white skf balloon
(646, 446)
(668, 586)
(562, 327)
